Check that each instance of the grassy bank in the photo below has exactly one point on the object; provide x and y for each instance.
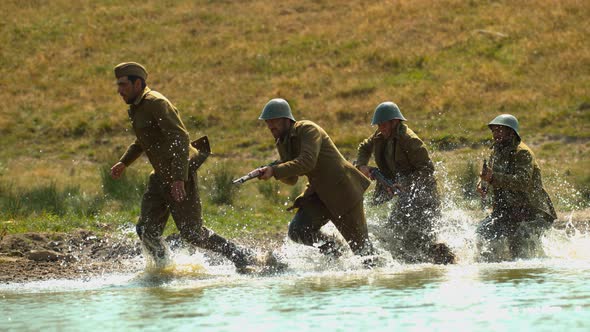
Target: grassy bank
(450, 65)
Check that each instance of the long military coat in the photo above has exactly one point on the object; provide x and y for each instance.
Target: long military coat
(161, 134)
(516, 185)
(403, 158)
(308, 150)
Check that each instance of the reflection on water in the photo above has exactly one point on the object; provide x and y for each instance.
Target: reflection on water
(406, 280)
(514, 275)
(534, 294)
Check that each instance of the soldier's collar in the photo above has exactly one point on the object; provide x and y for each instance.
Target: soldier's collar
(513, 143)
(290, 133)
(145, 91)
(401, 129)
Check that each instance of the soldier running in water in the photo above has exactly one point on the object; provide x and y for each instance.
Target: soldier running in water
(521, 208)
(402, 157)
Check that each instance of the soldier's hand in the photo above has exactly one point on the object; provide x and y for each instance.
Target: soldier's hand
(266, 173)
(486, 175)
(117, 170)
(178, 193)
(367, 171)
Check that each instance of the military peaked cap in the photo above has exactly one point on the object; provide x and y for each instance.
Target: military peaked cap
(130, 69)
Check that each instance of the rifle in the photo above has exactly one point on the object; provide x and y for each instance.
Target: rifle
(253, 174)
(384, 180)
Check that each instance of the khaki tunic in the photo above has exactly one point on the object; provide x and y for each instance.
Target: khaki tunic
(163, 137)
(403, 158)
(161, 134)
(516, 186)
(308, 150)
(521, 208)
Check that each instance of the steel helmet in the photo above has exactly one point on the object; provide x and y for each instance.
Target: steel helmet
(276, 108)
(387, 111)
(506, 120)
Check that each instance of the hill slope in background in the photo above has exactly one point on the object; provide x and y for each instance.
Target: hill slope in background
(451, 66)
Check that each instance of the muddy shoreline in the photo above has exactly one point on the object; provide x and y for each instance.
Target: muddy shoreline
(82, 254)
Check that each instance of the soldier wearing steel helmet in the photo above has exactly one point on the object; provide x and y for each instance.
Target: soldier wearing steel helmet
(521, 208)
(172, 187)
(335, 189)
(403, 158)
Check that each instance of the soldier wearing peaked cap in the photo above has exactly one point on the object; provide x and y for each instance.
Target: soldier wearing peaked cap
(172, 187)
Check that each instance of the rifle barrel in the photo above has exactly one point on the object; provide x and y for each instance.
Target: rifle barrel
(254, 174)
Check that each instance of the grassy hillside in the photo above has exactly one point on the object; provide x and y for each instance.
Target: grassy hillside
(451, 66)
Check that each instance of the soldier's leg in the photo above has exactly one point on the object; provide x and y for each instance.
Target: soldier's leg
(153, 218)
(408, 233)
(526, 241)
(188, 218)
(353, 227)
(493, 239)
(305, 226)
(425, 245)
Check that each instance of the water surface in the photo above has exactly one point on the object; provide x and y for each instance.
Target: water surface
(316, 294)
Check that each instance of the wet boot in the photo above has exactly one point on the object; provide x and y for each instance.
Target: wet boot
(207, 239)
(245, 260)
(440, 253)
(157, 251)
(370, 257)
(273, 263)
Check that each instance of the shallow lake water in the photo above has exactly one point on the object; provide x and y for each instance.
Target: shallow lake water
(315, 294)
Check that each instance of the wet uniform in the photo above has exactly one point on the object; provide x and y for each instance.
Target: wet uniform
(162, 136)
(521, 208)
(335, 190)
(403, 158)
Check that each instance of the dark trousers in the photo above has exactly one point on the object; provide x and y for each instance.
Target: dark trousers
(313, 214)
(504, 237)
(157, 205)
(412, 222)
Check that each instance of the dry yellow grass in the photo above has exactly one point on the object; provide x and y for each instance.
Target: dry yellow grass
(450, 65)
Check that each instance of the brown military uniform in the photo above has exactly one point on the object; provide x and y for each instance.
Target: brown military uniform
(403, 158)
(162, 136)
(522, 209)
(335, 190)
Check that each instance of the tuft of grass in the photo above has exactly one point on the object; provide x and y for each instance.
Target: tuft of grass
(222, 190)
(47, 199)
(270, 190)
